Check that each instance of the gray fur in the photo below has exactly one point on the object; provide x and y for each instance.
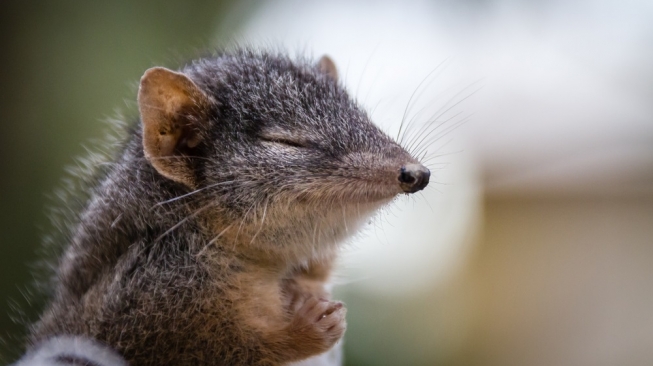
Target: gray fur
(288, 166)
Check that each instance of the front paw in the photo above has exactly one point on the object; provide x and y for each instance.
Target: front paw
(297, 291)
(318, 324)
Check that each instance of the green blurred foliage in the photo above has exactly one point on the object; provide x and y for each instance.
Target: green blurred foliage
(66, 66)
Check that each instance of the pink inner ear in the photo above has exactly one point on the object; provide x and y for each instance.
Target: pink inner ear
(173, 111)
(164, 96)
(167, 144)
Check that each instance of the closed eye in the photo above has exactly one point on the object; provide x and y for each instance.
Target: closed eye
(285, 141)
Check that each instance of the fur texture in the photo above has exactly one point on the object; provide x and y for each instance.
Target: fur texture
(226, 265)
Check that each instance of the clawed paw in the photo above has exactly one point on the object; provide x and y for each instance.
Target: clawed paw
(319, 322)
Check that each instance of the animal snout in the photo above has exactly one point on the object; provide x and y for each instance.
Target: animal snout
(413, 177)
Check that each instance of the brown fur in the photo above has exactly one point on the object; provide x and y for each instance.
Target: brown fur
(210, 237)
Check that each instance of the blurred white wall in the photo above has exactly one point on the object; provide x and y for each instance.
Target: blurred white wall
(568, 108)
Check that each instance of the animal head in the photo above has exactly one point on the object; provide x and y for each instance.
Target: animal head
(275, 145)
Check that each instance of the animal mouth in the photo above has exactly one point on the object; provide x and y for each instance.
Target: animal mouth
(370, 186)
(410, 178)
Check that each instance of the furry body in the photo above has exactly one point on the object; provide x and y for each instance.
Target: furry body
(215, 251)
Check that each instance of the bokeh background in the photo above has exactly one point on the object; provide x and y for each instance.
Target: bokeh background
(534, 244)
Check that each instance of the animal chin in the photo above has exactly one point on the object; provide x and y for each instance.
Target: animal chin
(375, 198)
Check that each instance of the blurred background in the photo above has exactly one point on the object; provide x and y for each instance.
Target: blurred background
(534, 243)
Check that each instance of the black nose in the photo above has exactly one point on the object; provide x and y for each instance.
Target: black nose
(413, 177)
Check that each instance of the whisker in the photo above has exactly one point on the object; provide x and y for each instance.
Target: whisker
(434, 153)
(242, 221)
(181, 222)
(265, 208)
(427, 141)
(445, 154)
(191, 193)
(441, 135)
(376, 78)
(367, 63)
(214, 240)
(403, 119)
(446, 108)
(412, 120)
(220, 234)
(428, 132)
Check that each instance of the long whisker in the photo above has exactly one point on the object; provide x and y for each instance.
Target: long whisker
(427, 140)
(242, 221)
(181, 222)
(435, 128)
(442, 134)
(367, 63)
(219, 235)
(376, 78)
(443, 154)
(214, 240)
(265, 208)
(191, 193)
(444, 109)
(403, 119)
(411, 123)
(427, 201)
(428, 157)
(409, 134)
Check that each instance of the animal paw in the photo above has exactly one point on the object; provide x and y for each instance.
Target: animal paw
(318, 324)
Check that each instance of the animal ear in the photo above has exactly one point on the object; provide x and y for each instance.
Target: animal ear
(327, 66)
(174, 114)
